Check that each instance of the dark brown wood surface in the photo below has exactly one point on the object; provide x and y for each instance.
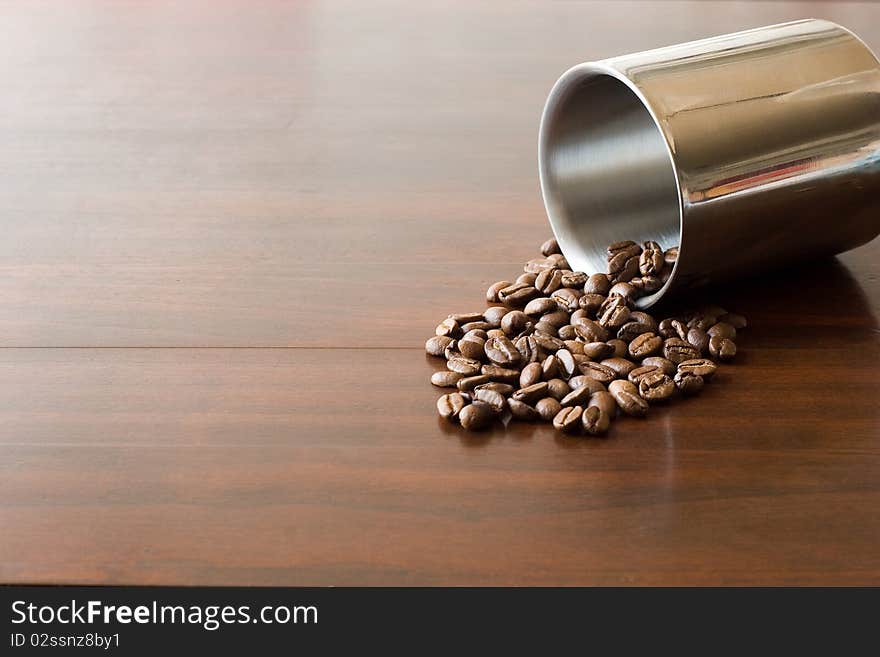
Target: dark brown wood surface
(228, 229)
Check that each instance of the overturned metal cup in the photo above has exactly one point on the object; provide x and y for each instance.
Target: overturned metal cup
(749, 151)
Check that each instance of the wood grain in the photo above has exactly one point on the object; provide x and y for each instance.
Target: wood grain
(229, 228)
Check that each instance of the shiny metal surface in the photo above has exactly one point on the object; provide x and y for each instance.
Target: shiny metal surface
(749, 150)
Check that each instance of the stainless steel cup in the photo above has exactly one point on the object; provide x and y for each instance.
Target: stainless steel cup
(749, 151)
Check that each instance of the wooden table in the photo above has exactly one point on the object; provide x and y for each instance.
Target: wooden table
(228, 230)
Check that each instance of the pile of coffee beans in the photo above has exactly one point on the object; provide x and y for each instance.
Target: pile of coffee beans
(570, 348)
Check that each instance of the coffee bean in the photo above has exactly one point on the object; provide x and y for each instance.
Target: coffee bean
(472, 347)
(644, 319)
(494, 289)
(597, 284)
(476, 416)
(558, 260)
(700, 366)
(574, 346)
(627, 397)
(522, 411)
(501, 374)
(583, 381)
(557, 319)
(494, 333)
(578, 316)
(644, 345)
(628, 272)
(436, 345)
(591, 303)
(537, 265)
(445, 378)
(540, 306)
(574, 279)
(700, 339)
(550, 247)
(451, 350)
(628, 247)
(517, 295)
(656, 386)
(635, 376)
(531, 374)
(664, 364)
(526, 279)
(470, 383)
(579, 359)
(590, 331)
(620, 348)
(557, 388)
(448, 327)
(495, 399)
(603, 400)
(736, 321)
(462, 365)
(577, 397)
(547, 408)
(722, 329)
(501, 388)
(672, 328)
(548, 343)
(493, 315)
(647, 284)
(551, 367)
(566, 299)
(631, 330)
(475, 333)
(621, 366)
(450, 406)
(595, 421)
(670, 255)
(599, 372)
(545, 329)
(516, 322)
(598, 350)
(475, 326)
(528, 349)
(688, 383)
(677, 350)
(548, 281)
(722, 348)
(701, 322)
(530, 394)
(614, 314)
(502, 351)
(568, 420)
(567, 365)
(651, 260)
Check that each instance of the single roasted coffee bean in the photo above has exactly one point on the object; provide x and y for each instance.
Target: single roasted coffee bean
(590, 331)
(502, 351)
(583, 381)
(599, 372)
(651, 260)
(631, 330)
(620, 348)
(688, 383)
(621, 366)
(568, 420)
(628, 247)
(526, 279)
(529, 351)
(597, 284)
(537, 265)
(635, 376)
(627, 397)
(647, 284)
(629, 271)
(494, 289)
(448, 327)
(548, 343)
(540, 306)
(476, 326)
(672, 328)
(546, 329)
(462, 365)
(495, 333)
(574, 346)
(548, 281)
(644, 319)
(598, 350)
(614, 313)
(722, 348)
(722, 329)
(476, 333)
(531, 394)
(671, 255)
(550, 247)
(531, 374)
(702, 322)
(604, 400)
(551, 367)
(517, 295)
(577, 397)
(567, 364)
(470, 383)
(567, 332)
(664, 364)
(502, 374)
(547, 408)
(449, 406)
(557, 318)
(522, 411)
(677, 350)
(578, 316)
(645, 345)
(516, 322)
(464, 318)
(557, 388)
(700, 366)
(436, 345)
(566, 299)
(736, 321)
(656, 386)
(591, 303)
(476, 416)
(445, 378)
(624, 291)
(700, 339)
(501, 388)
(451, 350)
(558, 260)
(595, 421)
(574, 279)
(472, 347)
(495, 399)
